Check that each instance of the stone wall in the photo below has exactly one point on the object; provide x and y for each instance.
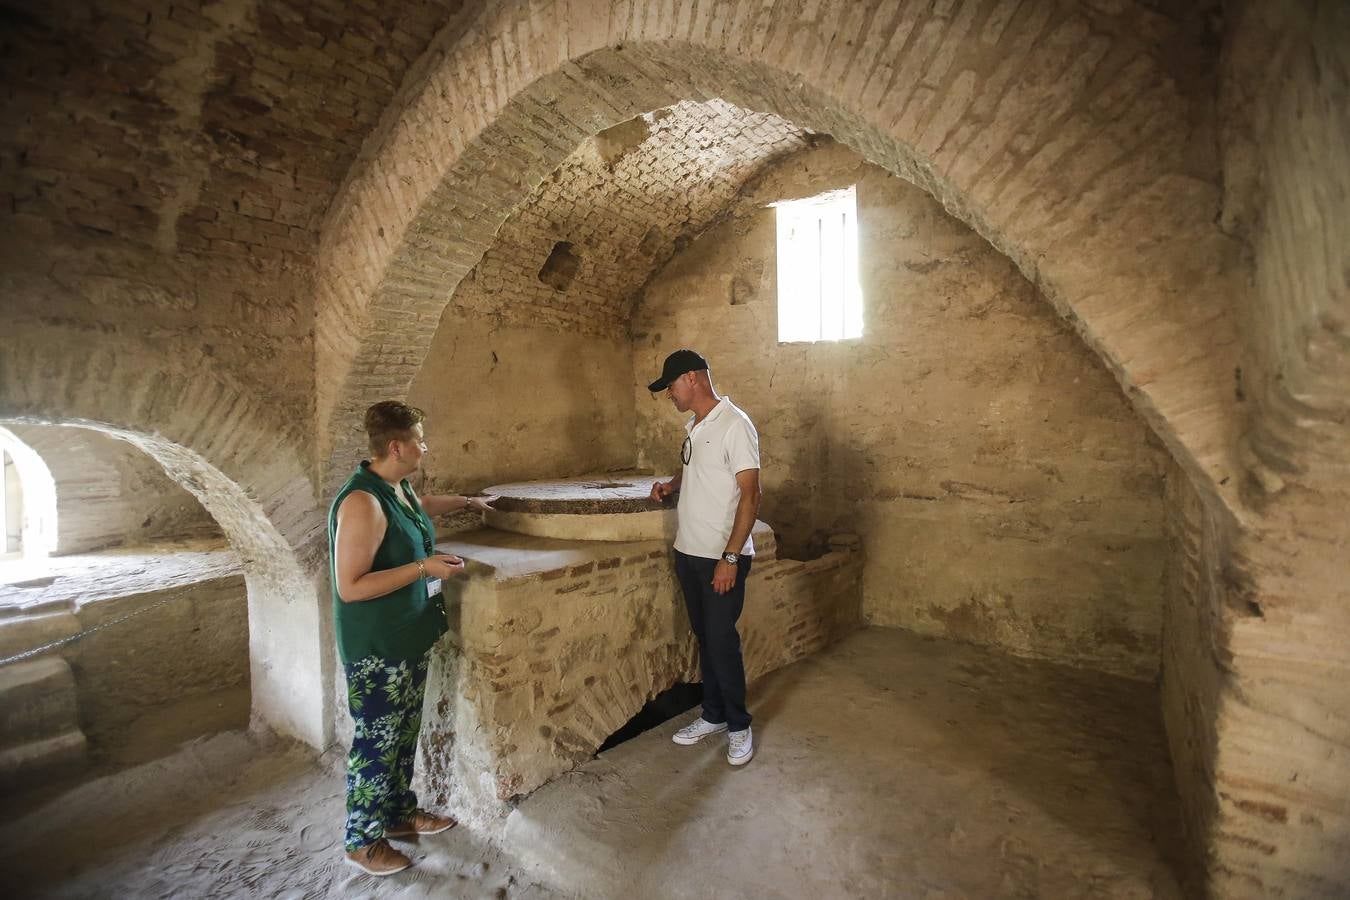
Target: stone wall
(1281, 791)
(529, 374)
(164, 657)
(1193, 674)
(108, 493)
(196, 642)
(1077, 140)
(516, 403)
(1004, 490)
(621, 204)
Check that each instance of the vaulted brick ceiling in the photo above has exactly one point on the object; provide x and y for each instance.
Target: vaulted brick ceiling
(168, 126)
(622, 204)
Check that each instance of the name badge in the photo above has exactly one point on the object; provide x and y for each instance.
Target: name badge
(433, 587)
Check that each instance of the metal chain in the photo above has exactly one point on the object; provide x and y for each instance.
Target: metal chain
(61, 642)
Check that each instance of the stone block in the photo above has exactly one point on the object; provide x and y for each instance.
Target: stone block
(30, 631)
(37, 701)
(62, 752)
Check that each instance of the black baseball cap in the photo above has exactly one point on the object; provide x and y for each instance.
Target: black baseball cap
(677, 364)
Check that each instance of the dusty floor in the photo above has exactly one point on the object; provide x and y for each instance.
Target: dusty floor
(888, 766)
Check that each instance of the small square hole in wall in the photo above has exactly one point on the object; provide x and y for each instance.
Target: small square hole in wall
(560, 269)
(819, 296)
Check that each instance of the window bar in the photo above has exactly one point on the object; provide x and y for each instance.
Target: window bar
(843, 273)
(820, 277)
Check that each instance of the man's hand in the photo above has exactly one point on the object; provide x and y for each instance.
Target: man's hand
(724, 577)
(443, 565)
(662, 489)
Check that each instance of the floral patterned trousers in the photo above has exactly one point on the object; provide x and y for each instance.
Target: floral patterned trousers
(385, 699)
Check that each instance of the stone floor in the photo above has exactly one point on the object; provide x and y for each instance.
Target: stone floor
(888, 766)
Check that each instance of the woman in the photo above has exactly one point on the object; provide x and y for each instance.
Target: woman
(389, 611)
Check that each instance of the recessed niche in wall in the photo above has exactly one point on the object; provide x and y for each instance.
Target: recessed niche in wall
(561, 267)
(663, 707)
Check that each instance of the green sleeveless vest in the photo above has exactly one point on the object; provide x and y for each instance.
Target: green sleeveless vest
(403, 624)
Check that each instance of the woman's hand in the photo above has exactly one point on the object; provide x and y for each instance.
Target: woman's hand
(479, 504)
(443, 565)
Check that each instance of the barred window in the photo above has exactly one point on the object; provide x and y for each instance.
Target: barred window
(819, 297)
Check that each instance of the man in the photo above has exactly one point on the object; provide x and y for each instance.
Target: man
(388, 610)
(719, 498)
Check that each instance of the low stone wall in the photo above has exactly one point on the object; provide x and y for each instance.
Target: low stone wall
(196, 642)
(193, 641)
(555, 645)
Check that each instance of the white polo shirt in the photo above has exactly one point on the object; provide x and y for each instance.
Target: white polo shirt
(724, 443)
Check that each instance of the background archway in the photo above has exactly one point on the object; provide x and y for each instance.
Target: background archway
(211, 439)
(37, 496)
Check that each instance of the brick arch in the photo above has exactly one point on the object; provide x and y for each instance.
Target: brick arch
(1063, 139)
(210, 438)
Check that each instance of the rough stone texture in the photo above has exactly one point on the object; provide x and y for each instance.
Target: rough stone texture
(981, 777)
(1004, 490)
(229, 226)
(597, 508)
(517, 403)
(39, 730)
(1075, 143)
(1193, 666)
(1281, 808)
(108, 493)
(657, 525)
(588, 495)
(165, 170)
(556, 644)
(1055, 780)
(659, 180)
(68, 581)
(65, 753)
(194, 642)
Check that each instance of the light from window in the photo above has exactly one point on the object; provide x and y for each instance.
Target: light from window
(819, 298)
(28, 512)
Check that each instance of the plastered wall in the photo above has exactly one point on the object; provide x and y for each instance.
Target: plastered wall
(1005, 492)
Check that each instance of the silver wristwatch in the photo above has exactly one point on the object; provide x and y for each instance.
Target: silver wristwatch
(732, 558)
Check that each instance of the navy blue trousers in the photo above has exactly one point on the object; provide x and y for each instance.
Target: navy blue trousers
(713, 617)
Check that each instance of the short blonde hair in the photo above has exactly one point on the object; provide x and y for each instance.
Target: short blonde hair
(390, 420)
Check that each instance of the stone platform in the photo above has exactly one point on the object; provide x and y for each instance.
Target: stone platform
(587, 508)
(555, 644)
(191, 641)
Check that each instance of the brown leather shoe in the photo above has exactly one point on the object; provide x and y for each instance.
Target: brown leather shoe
(421, 822)
(378, 859)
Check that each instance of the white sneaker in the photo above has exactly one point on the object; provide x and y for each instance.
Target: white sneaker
(696, 731)
(740, 747)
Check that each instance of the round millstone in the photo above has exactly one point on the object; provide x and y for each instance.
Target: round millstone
(580, 496)
(585, 508)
